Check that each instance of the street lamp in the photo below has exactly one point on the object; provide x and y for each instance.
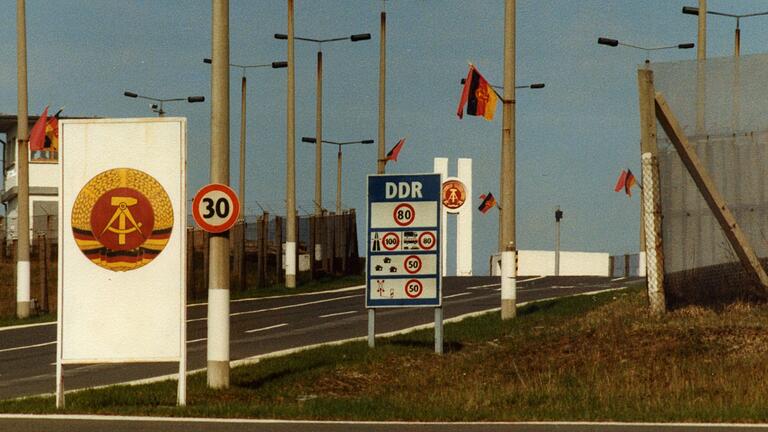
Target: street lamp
(313, 140)
(319, 107)
(158, 107)
(613, 42)
(689, 10)
(243, 126)
(530, 86)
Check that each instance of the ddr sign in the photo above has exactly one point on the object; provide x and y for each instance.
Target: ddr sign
(215, 208)
(403, 266)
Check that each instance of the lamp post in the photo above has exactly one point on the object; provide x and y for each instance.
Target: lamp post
(22, 199)
(158, 107)
(613, 42)
(313, 140)
(319, 107)
(558, 217)
(243, 121)
(690, 10)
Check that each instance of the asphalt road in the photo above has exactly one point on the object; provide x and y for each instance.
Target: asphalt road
(144, 424)
(261, 326)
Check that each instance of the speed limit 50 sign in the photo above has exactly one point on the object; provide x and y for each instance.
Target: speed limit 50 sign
(216, 208)
(403, 266)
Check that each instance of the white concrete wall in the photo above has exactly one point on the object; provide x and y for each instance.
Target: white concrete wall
(542, 263)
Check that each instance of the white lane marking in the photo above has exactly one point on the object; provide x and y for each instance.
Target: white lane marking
(28, 347)
(337, 314)
(618, 279)
(519, 280)
(266, 328)
(196, 340)
(282, 307)
(456, 295)
(23, 326)
(352, 288)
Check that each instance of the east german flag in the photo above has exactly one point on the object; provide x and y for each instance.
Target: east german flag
(488, 203)
(478, 96)
(52, 133)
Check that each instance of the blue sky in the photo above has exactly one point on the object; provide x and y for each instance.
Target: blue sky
(573, 137)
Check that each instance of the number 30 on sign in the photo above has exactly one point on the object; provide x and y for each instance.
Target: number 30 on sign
(215, 208)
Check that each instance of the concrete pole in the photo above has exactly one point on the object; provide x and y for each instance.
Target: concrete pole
(319, 137)
(382, 164)
(218, 264)
(22, 121)
(242, 146)
(290, 187)
(701, 42)
(557, 242)
(338, 183)
(508, 295)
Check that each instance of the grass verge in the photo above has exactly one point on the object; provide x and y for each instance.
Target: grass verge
(6, 321)
(583, 358)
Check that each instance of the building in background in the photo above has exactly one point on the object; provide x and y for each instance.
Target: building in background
(43, 182)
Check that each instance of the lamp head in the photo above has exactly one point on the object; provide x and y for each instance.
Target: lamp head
(607, 41)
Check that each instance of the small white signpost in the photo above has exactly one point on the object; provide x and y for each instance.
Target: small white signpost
(403, 253)
(122, 235)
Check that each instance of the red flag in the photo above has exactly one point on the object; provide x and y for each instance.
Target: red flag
(37, 135)
(478, 96)
(488, 203)
(392, 155)
(621, 182)
(630, 181)
(625, 182)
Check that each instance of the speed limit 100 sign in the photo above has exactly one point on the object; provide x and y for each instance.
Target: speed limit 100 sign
(215, 208)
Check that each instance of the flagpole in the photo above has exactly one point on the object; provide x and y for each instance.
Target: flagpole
(507, 212)
(382, 162)
(22, 124)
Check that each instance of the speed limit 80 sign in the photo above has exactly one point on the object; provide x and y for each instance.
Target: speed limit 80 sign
(216, 208)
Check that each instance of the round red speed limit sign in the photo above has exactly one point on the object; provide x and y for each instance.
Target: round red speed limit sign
(404, 214)
(215, 208)
(412, 264)
(413, 288)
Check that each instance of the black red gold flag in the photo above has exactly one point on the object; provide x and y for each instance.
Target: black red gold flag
(478, 96)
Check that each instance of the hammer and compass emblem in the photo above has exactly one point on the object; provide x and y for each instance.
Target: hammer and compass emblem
(122, 213)
(122, 219)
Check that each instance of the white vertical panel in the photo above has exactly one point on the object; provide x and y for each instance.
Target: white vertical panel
(121, 316)
(464, 222)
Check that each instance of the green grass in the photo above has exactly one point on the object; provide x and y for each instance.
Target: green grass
(596, 357)
(6, 321)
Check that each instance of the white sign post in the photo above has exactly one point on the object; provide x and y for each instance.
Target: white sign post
(457, 200)
(403, 253)
(122, 235)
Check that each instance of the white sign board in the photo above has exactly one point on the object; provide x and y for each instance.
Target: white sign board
(122, 226)
(403, 265)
